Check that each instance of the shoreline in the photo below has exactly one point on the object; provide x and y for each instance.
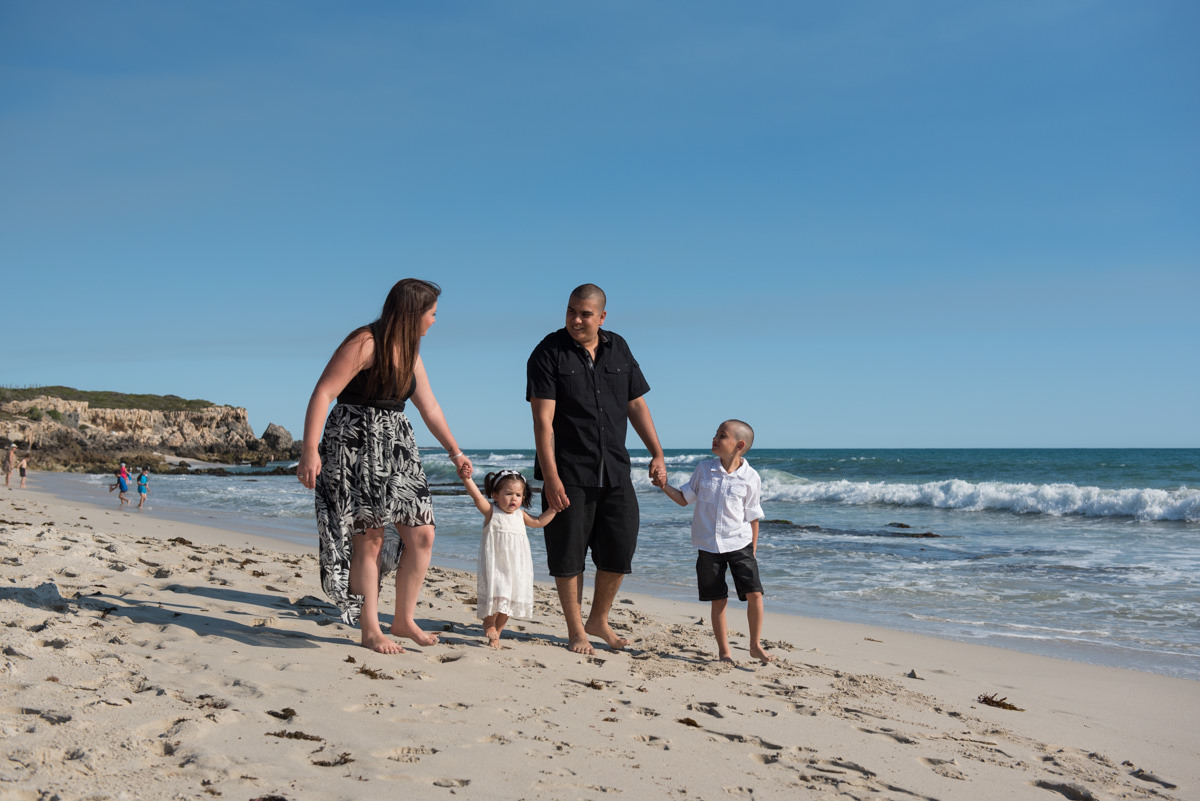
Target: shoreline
(153, 656)
(77, 487)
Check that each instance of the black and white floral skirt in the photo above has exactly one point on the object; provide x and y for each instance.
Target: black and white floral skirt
(371, 477)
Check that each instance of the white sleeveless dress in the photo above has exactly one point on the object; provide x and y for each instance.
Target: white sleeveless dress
(505, 572)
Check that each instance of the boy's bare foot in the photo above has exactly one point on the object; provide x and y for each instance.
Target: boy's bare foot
(414, 633)
(760, 654)
(581, 646)
(605, 632)
(380, 644)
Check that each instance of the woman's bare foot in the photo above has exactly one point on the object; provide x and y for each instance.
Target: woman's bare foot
(414, 632)
(760, 654)
(381, 644)
(605, 632)
(726, 658)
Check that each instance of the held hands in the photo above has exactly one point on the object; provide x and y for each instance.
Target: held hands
(658, 472)
(462, 464)
(556, 494)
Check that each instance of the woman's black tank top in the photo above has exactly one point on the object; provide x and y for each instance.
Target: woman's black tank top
(356, 393)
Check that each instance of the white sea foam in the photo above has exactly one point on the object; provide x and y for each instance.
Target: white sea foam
(1181, 504)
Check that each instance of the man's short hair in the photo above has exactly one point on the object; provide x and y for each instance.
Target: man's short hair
(742, 431)
(590, 292)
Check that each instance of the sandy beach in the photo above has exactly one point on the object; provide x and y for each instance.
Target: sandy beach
(152, 659)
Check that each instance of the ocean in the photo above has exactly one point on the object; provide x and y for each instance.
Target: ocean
(1091, 554)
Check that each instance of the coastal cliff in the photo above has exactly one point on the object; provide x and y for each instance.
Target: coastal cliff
(69, 434)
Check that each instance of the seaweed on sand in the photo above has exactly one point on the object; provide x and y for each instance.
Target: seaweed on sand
(999, 703)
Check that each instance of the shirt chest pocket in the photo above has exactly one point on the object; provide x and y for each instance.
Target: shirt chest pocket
(712, 490)
(571, 379)
(616, 380)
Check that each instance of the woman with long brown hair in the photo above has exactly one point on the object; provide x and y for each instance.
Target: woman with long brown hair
(367, 470)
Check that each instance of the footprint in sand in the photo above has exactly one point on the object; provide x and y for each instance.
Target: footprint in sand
(757, 742)
(409, 754)
(945, 767)
(653, 741)
(707, 707)
(903, 739)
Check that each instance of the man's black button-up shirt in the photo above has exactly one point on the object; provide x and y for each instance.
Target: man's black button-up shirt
(590, 405)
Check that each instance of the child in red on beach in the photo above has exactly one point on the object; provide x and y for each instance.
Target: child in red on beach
(725, 530)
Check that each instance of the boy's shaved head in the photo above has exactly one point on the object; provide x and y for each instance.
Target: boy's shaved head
(742, 431)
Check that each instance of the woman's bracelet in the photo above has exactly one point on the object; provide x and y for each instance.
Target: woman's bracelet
(455, 456)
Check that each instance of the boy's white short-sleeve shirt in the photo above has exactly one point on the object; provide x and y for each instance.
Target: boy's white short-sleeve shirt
(726, 504)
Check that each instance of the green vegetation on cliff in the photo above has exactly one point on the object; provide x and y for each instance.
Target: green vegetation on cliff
(107, 400)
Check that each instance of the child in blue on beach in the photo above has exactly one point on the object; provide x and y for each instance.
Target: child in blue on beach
(504, 582)
(726, 491)
(122, 484)
(143, 486)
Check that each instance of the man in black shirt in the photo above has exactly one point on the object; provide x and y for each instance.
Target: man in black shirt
(584, 386)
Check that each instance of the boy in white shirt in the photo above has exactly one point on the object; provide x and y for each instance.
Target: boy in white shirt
(726, 491)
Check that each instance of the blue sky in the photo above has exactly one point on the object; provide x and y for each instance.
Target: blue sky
(864, 224)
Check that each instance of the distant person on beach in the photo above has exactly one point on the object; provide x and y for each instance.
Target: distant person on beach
(122, 483)
(584, 387)
(10, 461)
(23, 466)
(504, 575)
(143, 487)
(726, 491)
(366, 468)
(120, 473)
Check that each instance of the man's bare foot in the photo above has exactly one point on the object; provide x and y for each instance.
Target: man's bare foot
(380, 644)
(414, 633)
(605, 632)
(760, 654)
(581, 647)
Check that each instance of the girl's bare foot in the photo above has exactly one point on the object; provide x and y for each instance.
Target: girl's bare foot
(414, 632)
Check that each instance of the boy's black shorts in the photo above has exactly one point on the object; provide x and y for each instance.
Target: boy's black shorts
(604, 519)
(710, 573)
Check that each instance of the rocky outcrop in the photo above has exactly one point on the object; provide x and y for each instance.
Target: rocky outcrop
(219, 433)
(278, 439)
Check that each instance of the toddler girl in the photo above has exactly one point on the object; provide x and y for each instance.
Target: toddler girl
(505, 580)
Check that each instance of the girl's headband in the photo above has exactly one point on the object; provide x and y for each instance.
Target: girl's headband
(507, 473)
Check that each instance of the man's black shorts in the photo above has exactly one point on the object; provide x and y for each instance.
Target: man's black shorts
(710, 574)
(603, 519)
